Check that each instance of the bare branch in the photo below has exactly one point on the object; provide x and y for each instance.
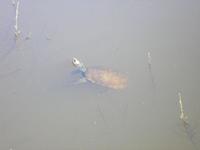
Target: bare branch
(183, 117)
(16, 26)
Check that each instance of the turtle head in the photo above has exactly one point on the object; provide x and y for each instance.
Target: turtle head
(78, 64)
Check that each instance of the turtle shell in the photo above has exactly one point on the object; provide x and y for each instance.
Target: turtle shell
(106, 77)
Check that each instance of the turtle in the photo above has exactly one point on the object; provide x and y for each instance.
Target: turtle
(100, 76)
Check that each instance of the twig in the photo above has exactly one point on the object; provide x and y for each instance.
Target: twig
(149, 61)
(16, 26)
(188, 128)
(183, 117)
(149, 58)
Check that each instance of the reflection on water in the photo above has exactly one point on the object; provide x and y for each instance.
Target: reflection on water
(191, 135)
(154, 43)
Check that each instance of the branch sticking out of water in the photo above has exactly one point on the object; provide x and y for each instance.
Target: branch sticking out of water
(183, 117)
(188, 128)
(149, 61)
(149, 58)
(16, 26)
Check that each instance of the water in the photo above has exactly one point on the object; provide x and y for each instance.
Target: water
(40, 108)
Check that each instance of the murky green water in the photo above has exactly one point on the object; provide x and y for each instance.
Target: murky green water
(40, 108)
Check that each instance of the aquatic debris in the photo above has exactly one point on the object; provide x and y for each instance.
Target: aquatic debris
(149, 58)
(149, 61)
(16, 26)
(183, 117)
(187, 127)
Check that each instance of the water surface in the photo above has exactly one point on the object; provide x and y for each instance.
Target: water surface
(40, 108)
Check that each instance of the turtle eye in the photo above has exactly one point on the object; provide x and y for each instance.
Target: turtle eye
(75, 61)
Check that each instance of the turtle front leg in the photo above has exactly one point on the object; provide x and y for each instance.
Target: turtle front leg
(81, 80)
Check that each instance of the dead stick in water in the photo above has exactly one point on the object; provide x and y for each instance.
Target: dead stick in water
(16, 26)
(149, 60)
(188, 129)
(183, 117)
